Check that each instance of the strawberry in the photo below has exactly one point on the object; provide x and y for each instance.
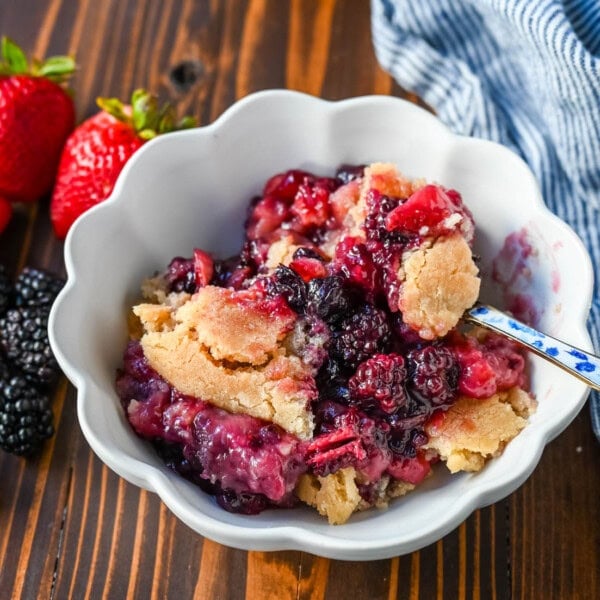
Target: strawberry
(36, 116)
(98, 149)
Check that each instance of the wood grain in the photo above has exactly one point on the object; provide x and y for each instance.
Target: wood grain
(70, 528)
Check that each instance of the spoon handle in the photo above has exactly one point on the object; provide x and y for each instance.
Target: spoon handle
(582, 364)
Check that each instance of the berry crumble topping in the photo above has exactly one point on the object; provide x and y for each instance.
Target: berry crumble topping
(326, 362)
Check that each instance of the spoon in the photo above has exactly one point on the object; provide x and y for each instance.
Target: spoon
(583, 365)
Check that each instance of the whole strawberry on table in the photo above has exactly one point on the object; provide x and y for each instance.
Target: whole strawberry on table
(36, 116)
(96, 152)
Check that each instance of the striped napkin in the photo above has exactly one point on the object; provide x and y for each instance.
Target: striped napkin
(524, 73)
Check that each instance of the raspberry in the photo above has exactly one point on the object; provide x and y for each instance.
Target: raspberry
(35, 287)
(311, 206)
(266, 216)
(488, 366)
(432, 211)
(424, 212)
(309, 268)
(354, 262)
(359, 336)
(203, 268)
(285, 185)
(379, 382)
(434, 374)
(24, 337)
(413, 469)
(25, 417)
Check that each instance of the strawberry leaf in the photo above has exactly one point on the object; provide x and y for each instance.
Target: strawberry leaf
(144, 108)
(57, 68)
(147, 134)
(14, 57)
(14, 62)
(114, 107)
(166, 121)
(144, 115)
(187, 122)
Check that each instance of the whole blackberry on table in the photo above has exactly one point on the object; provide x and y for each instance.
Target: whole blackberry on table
(35, 287)
(24, 338)
(25, 416)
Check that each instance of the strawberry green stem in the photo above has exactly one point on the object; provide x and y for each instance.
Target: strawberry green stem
(144, 114)
(14, 62)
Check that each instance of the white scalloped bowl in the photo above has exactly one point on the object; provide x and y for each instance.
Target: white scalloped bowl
(191, 188)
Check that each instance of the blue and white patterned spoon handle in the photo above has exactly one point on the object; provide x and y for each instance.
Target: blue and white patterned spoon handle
(582, 364)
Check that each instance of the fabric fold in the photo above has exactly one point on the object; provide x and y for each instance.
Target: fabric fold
(524, 73)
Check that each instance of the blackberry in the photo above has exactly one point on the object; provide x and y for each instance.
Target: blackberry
(406, 442)
(328, 298)
(378, 208)
(6, 290)
(245, 503)
(348, 173)
(306, 252)
(359, 336)
(25, 417)
(24, 337)
(379, 383)
(35, 287)
(291, 286)
(433, 371)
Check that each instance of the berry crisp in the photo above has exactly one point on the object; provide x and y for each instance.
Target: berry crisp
(326, 363)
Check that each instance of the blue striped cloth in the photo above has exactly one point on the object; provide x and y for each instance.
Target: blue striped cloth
(524, 73)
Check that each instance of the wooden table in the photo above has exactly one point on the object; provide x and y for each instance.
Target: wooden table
(70, 528)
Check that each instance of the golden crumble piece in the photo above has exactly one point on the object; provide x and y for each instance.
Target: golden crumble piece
(153, 317)
(439, 282)
(474, 430)
(279, 392)
(335, 496)
(229, 329)
(185, 349)
(385, 178)
(281, 252)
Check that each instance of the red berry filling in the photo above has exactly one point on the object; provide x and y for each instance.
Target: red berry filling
(487, 367)
(430, 211)
(240, 453)
(379, 384)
